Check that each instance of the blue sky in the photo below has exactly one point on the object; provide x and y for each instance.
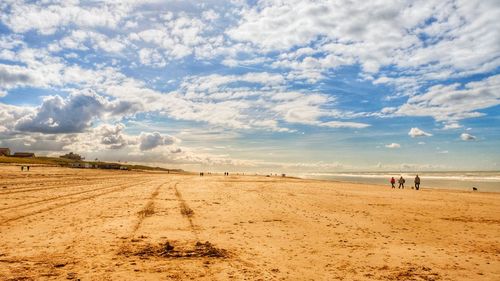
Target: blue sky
(254, 85)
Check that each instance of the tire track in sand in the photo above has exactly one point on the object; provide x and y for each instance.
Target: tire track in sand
(14, 185)
(187, 212)
(121, 188)
(61, 184)
(149, 208)
(61, 196)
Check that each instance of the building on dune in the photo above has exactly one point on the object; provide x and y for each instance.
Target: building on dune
(82, 165)
(110, 166)
(4, 151)
(24, 154)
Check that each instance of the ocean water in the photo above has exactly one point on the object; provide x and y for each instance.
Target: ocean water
(483, 181)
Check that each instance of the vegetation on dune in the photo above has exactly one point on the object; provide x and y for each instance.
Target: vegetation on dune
(54, 161)
(36, 160)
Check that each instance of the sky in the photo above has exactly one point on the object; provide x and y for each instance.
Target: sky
(271, 85)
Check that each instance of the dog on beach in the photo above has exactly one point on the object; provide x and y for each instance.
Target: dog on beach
(474, 189)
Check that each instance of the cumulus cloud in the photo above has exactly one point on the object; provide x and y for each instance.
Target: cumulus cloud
(58, 115)
(70, 115)
(112, 136)
(35, 142)
(9, 114)
(13, 75)
(393, 145)
(150, 141)
(416, 132)
(467, 137)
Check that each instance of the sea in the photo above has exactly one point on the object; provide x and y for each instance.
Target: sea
(484, 181)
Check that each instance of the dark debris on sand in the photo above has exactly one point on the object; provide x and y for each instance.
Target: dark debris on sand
(167, 250)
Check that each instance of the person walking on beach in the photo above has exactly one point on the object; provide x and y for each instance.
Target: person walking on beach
(417, 182)
(22, 168)
(393, 181)
(401, 182)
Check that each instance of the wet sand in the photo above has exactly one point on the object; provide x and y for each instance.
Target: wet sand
(70, 224)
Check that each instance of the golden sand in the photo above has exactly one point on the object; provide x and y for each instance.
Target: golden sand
(59, 224)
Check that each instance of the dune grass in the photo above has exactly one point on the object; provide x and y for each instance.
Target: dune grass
(55, 161)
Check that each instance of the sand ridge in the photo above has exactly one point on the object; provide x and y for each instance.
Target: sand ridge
(70, 224)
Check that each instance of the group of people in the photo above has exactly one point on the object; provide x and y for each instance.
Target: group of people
(27, 168)
(402, 181)
(226, 173)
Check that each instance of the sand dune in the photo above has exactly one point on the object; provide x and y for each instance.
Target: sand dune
(60, 224)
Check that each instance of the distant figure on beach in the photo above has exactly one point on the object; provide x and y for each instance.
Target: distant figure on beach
(401, 182)
(22, 168)
(393, 181)
(28, 168)
(417, 182)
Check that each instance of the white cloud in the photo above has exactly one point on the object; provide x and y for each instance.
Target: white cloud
(210, 15)
(112, 136)
(427, 40)
(150, 141)
(47, 19)
(467, 137)
(73, 114)
(85, 40)
(342, 124)
(416, 132)
(451, 126)
(451, 103)
(13, 76)
(179, 36)
(251, 100)
(393, 145)
(151, 57)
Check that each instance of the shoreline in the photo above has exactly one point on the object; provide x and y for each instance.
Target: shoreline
(389, 186)
(438, 183)
(331, 179)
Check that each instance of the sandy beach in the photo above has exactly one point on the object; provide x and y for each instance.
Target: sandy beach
(70, 224)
